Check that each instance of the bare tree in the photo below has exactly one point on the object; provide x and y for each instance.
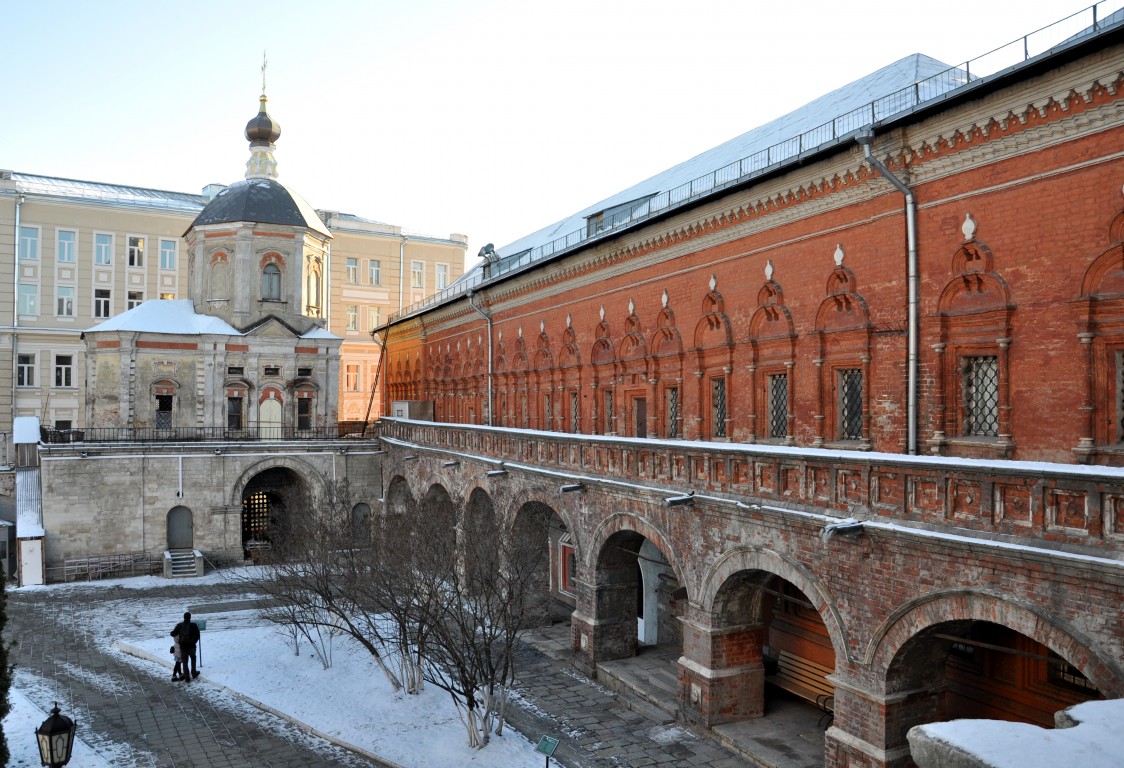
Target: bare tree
(439, 596)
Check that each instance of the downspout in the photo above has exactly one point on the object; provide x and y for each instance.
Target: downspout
(401, 271)
(865, 138)
(488, 319)
(15, 304)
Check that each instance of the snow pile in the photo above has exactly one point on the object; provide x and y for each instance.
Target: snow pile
(1093, 741)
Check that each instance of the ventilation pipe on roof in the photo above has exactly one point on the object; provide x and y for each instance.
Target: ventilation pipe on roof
(865, 139)
(488, 318)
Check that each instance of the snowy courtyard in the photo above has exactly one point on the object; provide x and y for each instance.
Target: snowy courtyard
(350, 703)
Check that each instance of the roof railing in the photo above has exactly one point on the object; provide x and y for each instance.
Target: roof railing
(1088, 21)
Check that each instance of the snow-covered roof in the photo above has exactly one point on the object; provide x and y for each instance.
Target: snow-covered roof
(319, 333)
(112, 194)
(25, 429)
(177, 316)
(267, 201)
(901, 74)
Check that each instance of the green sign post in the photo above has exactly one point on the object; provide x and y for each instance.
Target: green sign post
(546, 746)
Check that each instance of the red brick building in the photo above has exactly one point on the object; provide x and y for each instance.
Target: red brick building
(849, 399)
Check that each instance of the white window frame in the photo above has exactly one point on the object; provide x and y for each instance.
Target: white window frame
(134, 299)
(417, 275)
(28, 299)
(66, 370)
(103, 252)
(352, 311)
(25, 371)
(66, 251)
(30, 237)
(65, 299)
(374, 318)
(374, 272)
(441, 276)
(352, 270)
(134, 254)
(168, 256)
(107, 301)
(352, 373)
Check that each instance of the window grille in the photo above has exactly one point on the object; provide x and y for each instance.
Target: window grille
(1120, 397)
(672, 415)
(546, 412)
(718, 406)
(778, 405)
(981, 395)
(304, 413)
(163, 411)
(574, 402)
(234, 413)
(608, 411)
(850, 391)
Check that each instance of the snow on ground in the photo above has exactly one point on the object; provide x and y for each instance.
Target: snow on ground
(351, 703)
(20, 726)
(1093, 743)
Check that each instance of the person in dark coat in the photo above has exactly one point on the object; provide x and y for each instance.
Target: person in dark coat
(187, 635)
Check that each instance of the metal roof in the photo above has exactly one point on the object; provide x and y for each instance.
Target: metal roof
(111, 194)
(265, 201)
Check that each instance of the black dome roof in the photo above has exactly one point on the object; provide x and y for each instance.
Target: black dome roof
(262, 130)
(265, 201)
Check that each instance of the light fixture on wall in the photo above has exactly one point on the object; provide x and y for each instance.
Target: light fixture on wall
(679, 501)
(218, 451)
(342, 451)
(83, 455)
(571, 488)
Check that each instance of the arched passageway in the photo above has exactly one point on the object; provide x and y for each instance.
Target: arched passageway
(984, 670)
(267, 500)
(638, 599)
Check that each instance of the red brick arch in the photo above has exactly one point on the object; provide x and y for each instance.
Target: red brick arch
(906, 623)
(628, 522)
(739, 560)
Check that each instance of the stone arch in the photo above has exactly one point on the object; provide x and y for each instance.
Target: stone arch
(398, 497)
(308, 474)
(628, 522)
(904, 626)
(739, 560)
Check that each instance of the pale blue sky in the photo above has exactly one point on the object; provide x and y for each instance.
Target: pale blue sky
(490, 118)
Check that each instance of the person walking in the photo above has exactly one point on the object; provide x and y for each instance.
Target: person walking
(177, 654)
(187, 636)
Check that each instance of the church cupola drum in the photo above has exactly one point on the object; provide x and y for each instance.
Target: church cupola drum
(258, 250)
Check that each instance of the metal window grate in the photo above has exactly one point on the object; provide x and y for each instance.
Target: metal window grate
(718, 405)
(673, 412)
(778, 405)
(1120, 397)
(850, 404)
(574, 412)
(608, 411)
(981, 395)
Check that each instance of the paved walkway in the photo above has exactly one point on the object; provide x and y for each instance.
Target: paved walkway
(126, 705)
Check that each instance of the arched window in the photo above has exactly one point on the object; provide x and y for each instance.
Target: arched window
(271, 283)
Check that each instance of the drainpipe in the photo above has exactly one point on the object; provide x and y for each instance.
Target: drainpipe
(401, 271)
(16, 304)
(488, 318)
(865, 139)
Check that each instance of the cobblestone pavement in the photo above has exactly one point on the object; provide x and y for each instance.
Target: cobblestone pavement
(144, 719)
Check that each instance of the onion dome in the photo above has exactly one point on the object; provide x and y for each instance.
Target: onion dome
(263, 130)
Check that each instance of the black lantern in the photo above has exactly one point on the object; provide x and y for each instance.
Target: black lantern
(56, 739)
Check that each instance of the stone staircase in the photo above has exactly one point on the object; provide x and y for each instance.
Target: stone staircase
(183, 563)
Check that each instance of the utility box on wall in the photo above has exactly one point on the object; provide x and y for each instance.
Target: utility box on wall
(418, 410)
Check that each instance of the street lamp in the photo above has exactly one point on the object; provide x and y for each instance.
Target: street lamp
(56, 739)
